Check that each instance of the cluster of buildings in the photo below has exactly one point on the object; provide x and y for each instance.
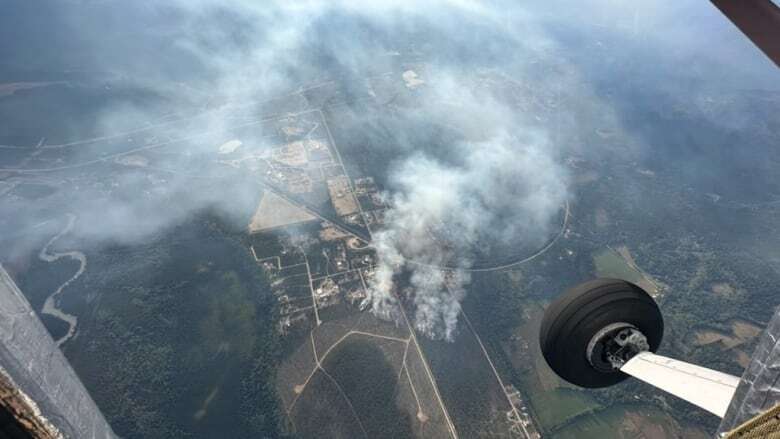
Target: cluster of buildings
(323, 275)
(312, 226)
(522, 424)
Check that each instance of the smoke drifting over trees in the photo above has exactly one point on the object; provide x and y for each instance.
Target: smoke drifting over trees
(508, 185)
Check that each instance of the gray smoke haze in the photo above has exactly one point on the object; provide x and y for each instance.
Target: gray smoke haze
(518, 175)
(219, 61)
(459, 199)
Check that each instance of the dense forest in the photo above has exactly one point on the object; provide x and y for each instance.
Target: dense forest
(176, 336)
(712, 260)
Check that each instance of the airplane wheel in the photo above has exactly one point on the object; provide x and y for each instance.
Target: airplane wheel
(581, 330)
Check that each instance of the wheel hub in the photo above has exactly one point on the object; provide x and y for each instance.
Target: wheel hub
(612, 346)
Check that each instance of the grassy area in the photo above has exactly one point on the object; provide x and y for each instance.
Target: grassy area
(620, 265)
(558, 406)
(637, 422)
(610, 264)
(602, 425)
(554, 401)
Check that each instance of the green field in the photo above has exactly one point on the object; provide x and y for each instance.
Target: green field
(611, 264)
(554, 401)
(601, 425)
(635, 422)
(557, 406)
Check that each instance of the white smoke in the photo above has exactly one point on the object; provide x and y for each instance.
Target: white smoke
(199, 52)
(508, 187)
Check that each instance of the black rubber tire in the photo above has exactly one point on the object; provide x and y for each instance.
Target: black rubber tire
(571, 321)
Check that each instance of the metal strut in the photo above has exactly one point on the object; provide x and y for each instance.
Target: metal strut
(622, 346)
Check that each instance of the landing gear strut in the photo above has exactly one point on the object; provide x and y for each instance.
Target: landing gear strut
(593, 329)
(601, 332)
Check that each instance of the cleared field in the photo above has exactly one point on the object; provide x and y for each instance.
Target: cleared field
(292, 154)
(743, 359)
(558, 406)
(745, 330)
(642, 422)
(553, 400)
(620, 265)
(331, 233)
(723, 289)
(735, 341)
(405, 400)
(742, 332)
(274, 211)
(318, 151)
(432, 421)
(341, 196)
(708, 337)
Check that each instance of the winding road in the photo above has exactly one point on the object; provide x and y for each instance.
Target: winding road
(541, 251)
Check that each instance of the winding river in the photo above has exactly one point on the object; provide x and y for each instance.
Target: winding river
(51, 306)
